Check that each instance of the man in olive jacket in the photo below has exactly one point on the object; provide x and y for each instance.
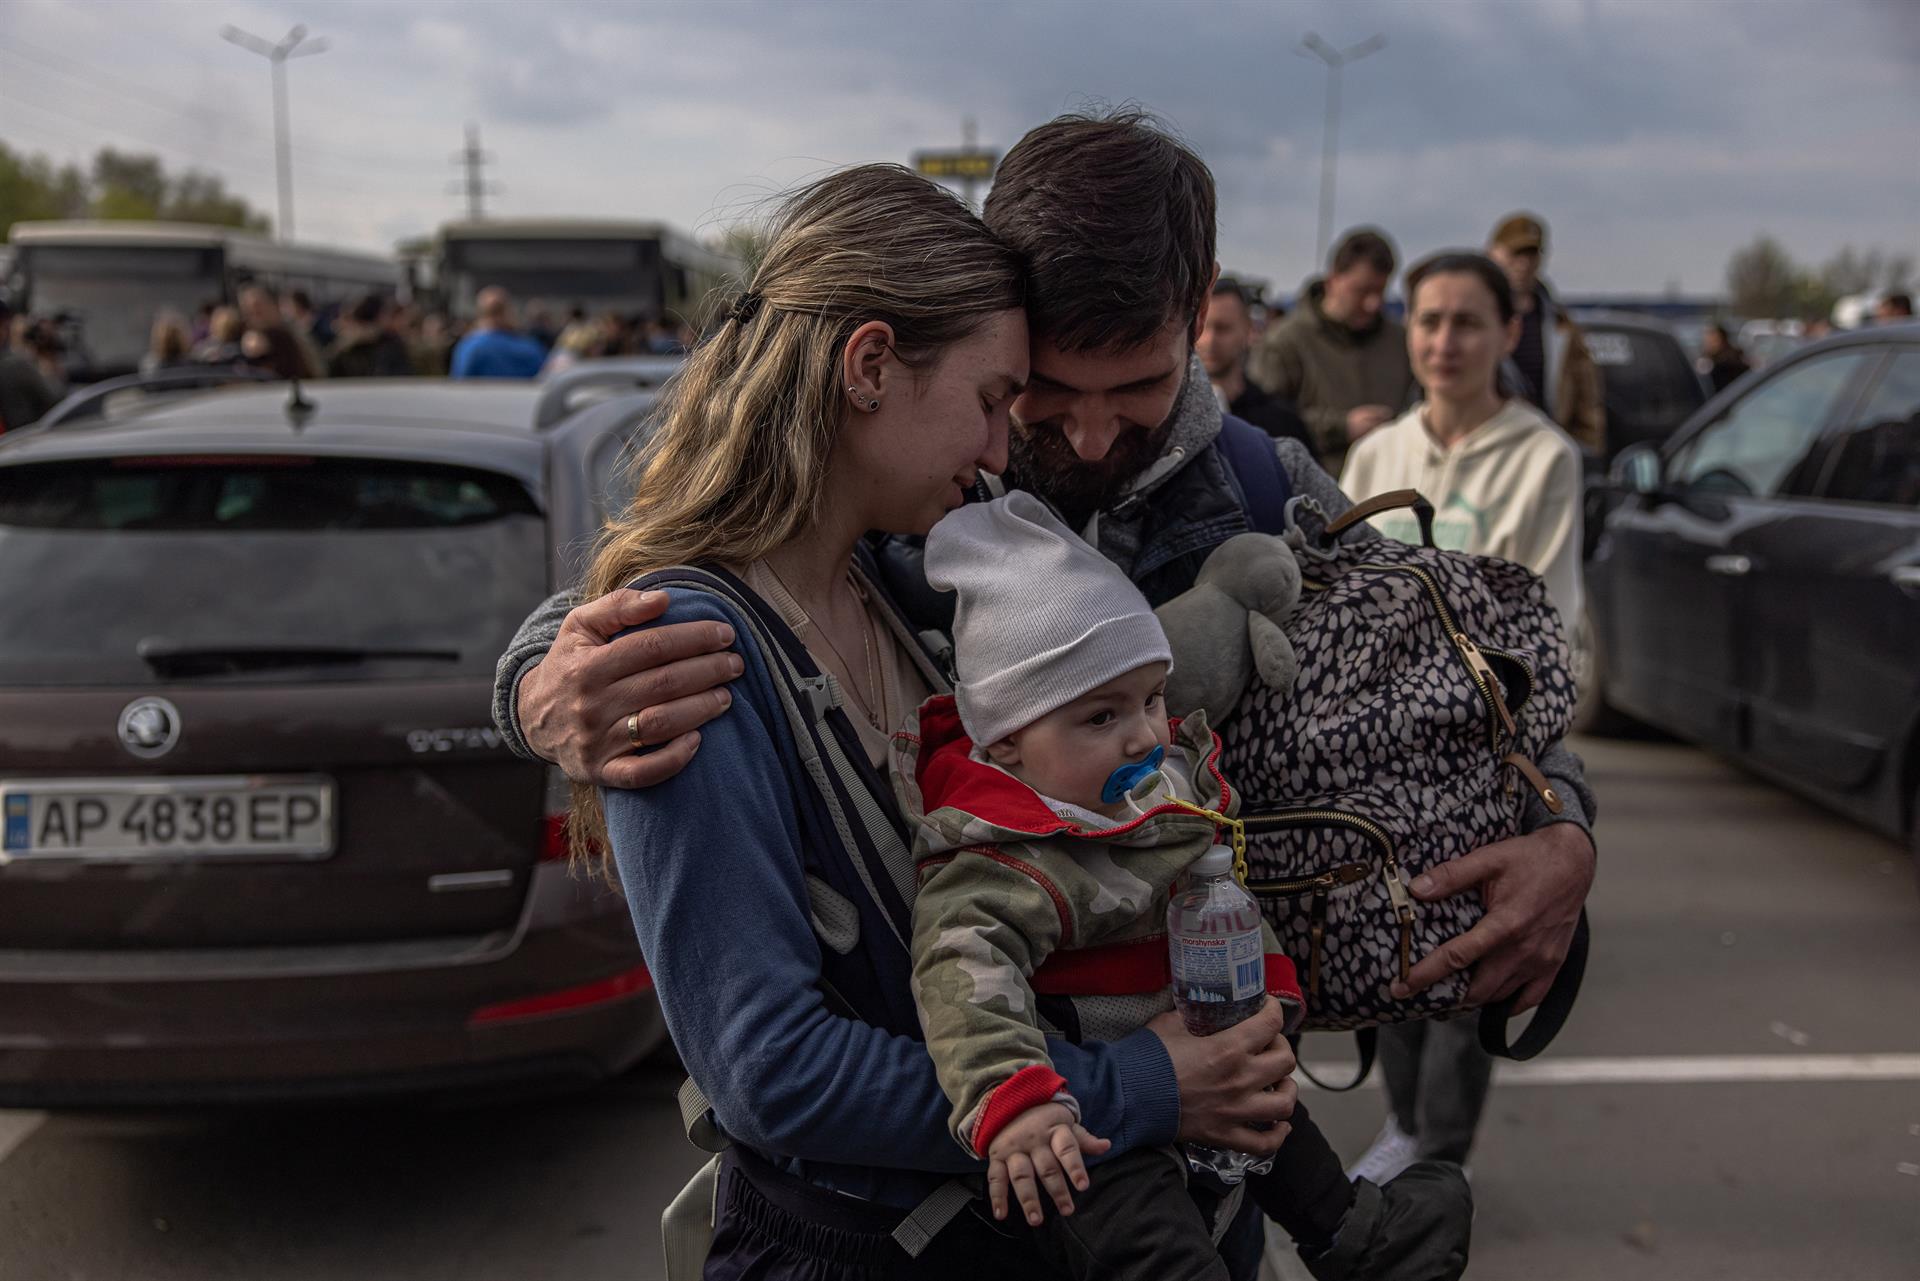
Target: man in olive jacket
(1338, 356)
(1552, 357)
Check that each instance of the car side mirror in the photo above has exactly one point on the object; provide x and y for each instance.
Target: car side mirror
(1636, 470)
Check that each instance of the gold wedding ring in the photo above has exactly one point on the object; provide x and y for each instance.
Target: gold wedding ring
(633, 730)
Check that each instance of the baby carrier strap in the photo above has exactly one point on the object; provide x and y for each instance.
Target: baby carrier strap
(854, 840)
(855, 844)
(1255, 467)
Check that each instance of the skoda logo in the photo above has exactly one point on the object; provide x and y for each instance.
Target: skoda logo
(149, 727)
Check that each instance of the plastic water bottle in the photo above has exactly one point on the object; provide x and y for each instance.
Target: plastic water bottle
(1219, 975)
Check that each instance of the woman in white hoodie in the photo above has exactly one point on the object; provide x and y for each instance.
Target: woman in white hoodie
(1503, 480)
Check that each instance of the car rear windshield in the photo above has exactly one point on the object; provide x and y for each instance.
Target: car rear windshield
(236, 568)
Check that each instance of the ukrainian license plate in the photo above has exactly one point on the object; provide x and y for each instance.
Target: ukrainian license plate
(122, 820)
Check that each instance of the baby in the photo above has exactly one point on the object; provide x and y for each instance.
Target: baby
(1055, 805)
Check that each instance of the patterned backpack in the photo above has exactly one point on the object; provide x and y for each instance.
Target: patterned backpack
(1429, 682)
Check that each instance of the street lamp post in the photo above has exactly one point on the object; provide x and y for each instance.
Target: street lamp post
(295, 45)
(1336, 59)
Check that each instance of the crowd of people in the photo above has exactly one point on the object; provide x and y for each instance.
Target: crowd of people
(373, 336)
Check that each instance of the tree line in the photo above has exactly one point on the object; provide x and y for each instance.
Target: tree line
(117, 185)
(1763, 280)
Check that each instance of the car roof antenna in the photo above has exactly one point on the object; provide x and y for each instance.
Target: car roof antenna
(299, 408)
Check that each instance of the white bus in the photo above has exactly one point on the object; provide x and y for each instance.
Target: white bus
(638, 269)
(105, 281)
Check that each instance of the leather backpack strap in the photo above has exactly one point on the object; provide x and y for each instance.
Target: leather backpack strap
(1552, 1014)
(1389, 501)
(1366, 1041)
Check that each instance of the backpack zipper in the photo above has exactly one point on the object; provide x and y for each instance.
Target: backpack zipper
(1323, 883)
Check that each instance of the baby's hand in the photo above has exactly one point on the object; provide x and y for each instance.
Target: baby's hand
(1043, 1143)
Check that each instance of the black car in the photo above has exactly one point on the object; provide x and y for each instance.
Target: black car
(1757, 587)
(1649, 385)
(259, 838)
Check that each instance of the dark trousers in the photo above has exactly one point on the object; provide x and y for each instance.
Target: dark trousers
(1138, 1220)
(1437, 1079)
(771, 1226)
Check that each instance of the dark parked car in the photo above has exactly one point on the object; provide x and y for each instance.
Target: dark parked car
(1649, 384)
(258, 835)
(1757, 588)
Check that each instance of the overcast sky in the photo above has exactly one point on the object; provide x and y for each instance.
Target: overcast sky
(1654, 135)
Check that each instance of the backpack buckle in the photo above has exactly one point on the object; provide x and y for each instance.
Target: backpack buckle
(1308, 519)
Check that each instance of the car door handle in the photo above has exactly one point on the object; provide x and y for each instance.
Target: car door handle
(1731, 566)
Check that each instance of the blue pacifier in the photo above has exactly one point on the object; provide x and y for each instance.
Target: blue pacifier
(1121, 782)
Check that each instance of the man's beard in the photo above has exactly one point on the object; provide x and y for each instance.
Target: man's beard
(1041, 461)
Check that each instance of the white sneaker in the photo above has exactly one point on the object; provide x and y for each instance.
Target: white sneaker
(1391, 1153)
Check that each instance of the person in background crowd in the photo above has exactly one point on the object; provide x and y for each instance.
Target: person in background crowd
(1817, 328)
(495, 349)
(430, 346)
(1552, 355)
(267, 341)
(663, 337)
(313, 328)
(1223, 345)
(202, 322)
(1503, 481)
(1721, 360)
(24, 393)
(580, 340)
(167, 345)
(620, 335)
(43, 344)
(1339, 358)
(221, 346)
(540, 327)
(367, 347)
(1894, 308)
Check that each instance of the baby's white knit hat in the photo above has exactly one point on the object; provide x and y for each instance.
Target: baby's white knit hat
(1042, 617)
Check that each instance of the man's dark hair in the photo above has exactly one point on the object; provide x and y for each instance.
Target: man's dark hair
(1363, 245)
(299, 298)
(1901, 303)
(1229, 287)
(1114, 217)
(1463, 262)
(367, 309)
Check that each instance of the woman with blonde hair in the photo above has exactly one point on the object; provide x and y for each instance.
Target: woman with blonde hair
(168, 345)
(861, 383)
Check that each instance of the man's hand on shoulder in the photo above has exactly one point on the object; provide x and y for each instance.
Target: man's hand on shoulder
(575, 703)
(1533, 887)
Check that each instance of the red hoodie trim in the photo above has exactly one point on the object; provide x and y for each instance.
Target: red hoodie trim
(1142, 965)
(1110, 969)
(1028, 1088)
(949, 778)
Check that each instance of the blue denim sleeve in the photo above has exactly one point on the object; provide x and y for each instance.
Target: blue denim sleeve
(712, 865)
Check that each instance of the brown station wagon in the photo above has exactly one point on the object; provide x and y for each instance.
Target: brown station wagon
(258, 836)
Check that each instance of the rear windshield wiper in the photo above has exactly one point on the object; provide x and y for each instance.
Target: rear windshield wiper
(169, 659)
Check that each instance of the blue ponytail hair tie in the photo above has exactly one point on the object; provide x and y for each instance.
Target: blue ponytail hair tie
(1121, 782)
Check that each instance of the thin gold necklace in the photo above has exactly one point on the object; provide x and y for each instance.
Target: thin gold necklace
(865, 701)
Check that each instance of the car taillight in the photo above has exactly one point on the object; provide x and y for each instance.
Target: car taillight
(553, 839)
(614, 988)
(553, 823)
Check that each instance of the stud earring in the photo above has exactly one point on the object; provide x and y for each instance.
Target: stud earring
(866, 404)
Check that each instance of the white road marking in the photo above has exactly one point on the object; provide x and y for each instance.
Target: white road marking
(1696, 1069)
(15, 1127)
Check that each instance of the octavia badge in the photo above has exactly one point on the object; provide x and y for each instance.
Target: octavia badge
(149, 727)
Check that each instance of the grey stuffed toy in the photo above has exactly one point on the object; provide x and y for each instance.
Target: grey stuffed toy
(1225, 629)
